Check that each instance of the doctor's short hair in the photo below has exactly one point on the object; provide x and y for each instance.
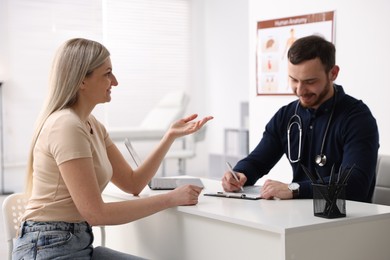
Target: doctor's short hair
(311, 47)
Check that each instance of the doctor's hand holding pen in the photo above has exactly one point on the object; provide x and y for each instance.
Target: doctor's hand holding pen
(232, 180)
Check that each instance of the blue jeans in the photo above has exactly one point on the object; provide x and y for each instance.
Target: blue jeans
(60, 240)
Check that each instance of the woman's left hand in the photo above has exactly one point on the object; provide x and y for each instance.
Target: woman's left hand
(187, 126)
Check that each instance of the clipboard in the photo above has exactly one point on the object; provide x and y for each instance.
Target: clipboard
(232, 195)
(249, 193)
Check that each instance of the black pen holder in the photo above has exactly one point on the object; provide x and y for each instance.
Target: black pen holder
(329, 200)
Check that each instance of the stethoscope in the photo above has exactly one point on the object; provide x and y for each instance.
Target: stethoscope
(295, 119)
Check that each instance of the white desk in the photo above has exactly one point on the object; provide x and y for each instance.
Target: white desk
(220, 228)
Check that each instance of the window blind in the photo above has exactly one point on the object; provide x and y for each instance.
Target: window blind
(149, 41)
(33, 32)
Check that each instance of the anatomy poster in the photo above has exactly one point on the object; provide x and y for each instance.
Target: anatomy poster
(274, 38)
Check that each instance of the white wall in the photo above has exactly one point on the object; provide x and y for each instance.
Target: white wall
(362, 39)
(28, 42)
(224, 66)
(220, 71)
(221, 82)
(224, 38)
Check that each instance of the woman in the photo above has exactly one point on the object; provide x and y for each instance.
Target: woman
(72, 158)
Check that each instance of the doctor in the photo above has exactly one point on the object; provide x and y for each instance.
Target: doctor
(324, 128)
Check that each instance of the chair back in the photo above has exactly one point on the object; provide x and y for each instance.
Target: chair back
(13, 207)
(169, 109)
(382, 187)
(187, 151)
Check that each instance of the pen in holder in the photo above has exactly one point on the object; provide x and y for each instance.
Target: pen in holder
(329, 198)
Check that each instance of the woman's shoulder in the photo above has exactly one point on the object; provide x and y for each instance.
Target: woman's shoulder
(63, 114)
(65, 119)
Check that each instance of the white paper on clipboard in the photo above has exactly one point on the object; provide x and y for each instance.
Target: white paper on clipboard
(249, 193)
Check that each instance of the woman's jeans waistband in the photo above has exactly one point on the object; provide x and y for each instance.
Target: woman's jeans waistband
(53, 240)
(32, 226)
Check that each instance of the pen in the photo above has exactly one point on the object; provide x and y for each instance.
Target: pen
(319, 177)
(339, 175)
(331, 175)
(233, 173)
(308, 174)
(347, 175)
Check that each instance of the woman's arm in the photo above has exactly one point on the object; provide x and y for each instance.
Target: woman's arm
(134, 181)
(80, 179)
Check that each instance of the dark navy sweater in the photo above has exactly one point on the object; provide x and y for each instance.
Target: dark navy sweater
(352, 139)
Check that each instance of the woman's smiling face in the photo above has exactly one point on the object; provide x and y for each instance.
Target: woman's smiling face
(98, 84)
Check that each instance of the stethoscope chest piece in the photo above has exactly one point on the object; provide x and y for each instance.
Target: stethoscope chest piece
(320, 160)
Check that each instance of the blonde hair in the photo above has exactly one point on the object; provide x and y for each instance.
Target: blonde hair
(75, 59)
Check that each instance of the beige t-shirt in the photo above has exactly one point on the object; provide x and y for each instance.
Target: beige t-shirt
(65, 137)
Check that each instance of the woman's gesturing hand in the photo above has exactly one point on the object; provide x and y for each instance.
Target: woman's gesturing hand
(187, 125)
